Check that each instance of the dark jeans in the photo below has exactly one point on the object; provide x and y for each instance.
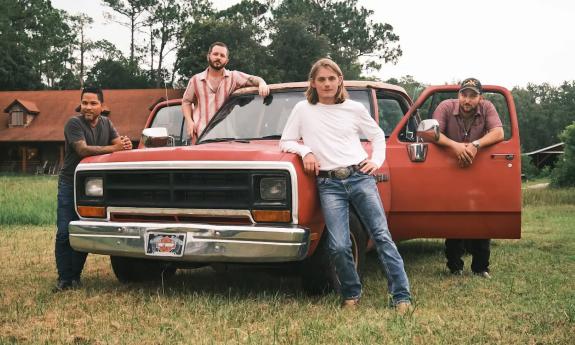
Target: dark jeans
(479, 249)
(68, 261)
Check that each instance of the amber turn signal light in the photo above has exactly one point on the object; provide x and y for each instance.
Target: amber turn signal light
(92, 211)
(270, 216)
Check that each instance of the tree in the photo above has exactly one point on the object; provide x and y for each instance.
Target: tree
(34, 41)
(117, 74)
(245, 51)
(106, 50)
(79, 24)
(544, 111)
(134, 11)
(165, 22)
(248, 12)
(348, 29)
(298, 31)
(411, 86)
(564, 173)
(295, 49)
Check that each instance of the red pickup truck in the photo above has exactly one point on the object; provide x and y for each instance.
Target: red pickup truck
(236, 198)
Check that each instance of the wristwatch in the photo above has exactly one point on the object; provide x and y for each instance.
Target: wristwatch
(475, 143)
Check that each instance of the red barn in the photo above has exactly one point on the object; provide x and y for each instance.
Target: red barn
(32, 123)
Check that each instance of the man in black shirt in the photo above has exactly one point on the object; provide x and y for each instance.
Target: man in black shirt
(86, 134)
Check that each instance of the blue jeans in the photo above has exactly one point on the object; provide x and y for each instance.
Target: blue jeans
(360, 191)
(68, 261)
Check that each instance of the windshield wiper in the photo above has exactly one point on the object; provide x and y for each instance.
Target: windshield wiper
(267, 137)
(219, 140)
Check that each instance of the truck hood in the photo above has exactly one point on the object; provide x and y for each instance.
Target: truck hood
(260, 150)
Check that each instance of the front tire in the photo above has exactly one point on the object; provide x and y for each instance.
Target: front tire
(129, 270)
(318, 273)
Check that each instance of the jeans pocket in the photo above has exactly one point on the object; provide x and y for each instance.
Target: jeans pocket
(362, 176)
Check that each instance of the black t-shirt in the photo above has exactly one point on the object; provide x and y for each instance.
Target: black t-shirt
(77, 129)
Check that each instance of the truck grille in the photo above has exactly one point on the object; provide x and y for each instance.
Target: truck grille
(198, 189)
(194, 189)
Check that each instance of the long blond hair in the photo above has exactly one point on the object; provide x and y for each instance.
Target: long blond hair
(311, 93)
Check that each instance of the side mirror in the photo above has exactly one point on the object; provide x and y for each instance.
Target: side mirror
(156, 137)
(428, 130)
(417, 152)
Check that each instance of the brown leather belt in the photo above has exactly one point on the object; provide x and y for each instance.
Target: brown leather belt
(339, 173)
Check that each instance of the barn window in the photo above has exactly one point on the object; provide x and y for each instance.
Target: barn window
(17, 118)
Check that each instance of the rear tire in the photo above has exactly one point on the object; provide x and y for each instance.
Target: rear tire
(138, 270)
(318, 273)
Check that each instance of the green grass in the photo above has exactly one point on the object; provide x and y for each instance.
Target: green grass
(530, 299)
(548, 196)
(28, 199)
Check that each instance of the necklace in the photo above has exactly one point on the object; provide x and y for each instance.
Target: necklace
(215, 83)
(467, 123)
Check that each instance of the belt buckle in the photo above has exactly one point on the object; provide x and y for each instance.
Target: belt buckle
(341, 173)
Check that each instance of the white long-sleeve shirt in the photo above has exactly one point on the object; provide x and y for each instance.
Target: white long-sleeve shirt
(332, 133)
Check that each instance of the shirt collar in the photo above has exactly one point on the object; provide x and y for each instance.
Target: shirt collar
(204, 75)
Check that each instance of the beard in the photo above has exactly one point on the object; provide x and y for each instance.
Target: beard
(468, 109)
(90, 116)
(216, 65)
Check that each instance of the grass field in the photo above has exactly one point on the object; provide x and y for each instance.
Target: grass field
(530, 300)
(29, 200)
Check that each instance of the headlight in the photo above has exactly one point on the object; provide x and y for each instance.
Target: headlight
(273, 188)
(94, 186)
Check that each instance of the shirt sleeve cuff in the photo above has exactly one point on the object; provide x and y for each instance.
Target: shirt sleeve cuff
(304, 151)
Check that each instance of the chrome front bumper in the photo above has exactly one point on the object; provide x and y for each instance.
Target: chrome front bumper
(204, 242)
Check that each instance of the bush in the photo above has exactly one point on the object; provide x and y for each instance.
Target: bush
(528, 169)
(545, 172)
(564, 173)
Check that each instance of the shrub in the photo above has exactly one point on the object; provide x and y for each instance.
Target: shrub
(528, 169)
(564, 173)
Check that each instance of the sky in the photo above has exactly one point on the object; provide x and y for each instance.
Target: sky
(501, 42)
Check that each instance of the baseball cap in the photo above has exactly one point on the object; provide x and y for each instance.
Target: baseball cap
(471, 84)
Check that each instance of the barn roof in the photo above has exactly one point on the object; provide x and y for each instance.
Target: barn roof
(129, 110)
(30, 106)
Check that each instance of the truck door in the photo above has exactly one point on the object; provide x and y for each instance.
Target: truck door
(390, 107)
(436, 198)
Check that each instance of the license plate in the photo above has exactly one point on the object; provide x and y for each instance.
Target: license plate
(165, 244)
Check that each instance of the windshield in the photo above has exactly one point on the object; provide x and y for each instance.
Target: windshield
(245, 117)
(250, 117)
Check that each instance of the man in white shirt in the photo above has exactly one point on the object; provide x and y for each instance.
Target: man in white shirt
(330, 126)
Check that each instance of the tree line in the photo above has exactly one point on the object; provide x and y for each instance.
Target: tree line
(46, 48)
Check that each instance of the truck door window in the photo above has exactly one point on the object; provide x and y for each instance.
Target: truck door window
(391, 109)
(500, 104)
(425, 111)
(172, 119)
(363, 97)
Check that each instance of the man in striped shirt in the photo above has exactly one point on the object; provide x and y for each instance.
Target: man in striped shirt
(207, 91)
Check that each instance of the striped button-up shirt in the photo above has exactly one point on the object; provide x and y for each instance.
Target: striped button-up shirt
(206, 100)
